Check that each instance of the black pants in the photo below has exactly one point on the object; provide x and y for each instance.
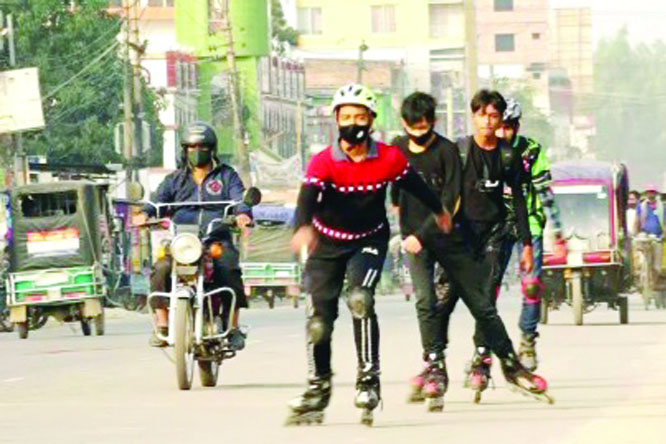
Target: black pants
(226, 272)
(470, 274)
(361, 262)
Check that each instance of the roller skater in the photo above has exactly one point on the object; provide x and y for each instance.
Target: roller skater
(341, 221)
(309, 407)
(477, 375)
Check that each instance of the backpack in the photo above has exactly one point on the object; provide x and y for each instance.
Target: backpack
(507, 158)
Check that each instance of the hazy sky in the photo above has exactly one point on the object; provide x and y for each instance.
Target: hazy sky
(645, 19)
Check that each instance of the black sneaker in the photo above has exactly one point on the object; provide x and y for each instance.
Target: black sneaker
(237, 339)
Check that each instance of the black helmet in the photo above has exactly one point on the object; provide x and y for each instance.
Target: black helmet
(199, 133)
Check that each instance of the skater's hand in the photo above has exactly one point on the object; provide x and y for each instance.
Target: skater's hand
(395, 210)
(412, 245)
(242, 221)
(303, 238)
(443, 221)
(526, 259)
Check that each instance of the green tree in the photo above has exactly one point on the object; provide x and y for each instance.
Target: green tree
(280, 30)
(81, 79)
(629, 104)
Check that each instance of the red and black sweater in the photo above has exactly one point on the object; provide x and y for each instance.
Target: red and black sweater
(346, 200)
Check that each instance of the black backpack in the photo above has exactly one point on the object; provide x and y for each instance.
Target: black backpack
(508, 155)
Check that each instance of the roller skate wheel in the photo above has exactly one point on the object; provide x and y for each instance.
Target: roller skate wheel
(309, 418)
(367, 418)
(436, 404)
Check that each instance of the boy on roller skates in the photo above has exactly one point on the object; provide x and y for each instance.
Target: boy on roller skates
(488, 165)
(341, 219)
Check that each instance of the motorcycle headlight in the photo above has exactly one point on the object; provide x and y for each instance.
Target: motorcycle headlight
(186, 248)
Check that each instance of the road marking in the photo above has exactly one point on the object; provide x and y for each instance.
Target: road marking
(10, 380)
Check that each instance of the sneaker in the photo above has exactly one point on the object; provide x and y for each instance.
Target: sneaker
(237, 339)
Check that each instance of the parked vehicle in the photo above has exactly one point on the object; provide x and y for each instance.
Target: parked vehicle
(58, 237)
(591, 197)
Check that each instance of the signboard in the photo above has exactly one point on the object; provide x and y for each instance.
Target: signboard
(20, 101)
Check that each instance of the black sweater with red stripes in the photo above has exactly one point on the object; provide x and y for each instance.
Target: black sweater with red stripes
(346, 200)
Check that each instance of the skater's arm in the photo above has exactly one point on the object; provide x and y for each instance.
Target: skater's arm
(520, 205)
(411, 182)
(541, 178)
(450, 196)
(313, 184)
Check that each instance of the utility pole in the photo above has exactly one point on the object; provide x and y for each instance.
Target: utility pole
(360, 64)
(19, 160)
(470, 49)
(127, 99)
(241, 147)
(137, 109)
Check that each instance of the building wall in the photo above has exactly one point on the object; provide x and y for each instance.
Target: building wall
(529, 60)
(572, 47)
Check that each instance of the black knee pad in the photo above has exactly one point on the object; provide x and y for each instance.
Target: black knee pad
(361, 303)
(318, 330)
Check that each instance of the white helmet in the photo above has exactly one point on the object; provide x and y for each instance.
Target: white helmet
(355, 94)
(513, 110)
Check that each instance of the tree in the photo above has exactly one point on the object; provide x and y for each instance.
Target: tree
(281, 32)
(81, 79)
(629, 104)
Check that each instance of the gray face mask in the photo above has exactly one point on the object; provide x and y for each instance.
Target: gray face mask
(199, 157)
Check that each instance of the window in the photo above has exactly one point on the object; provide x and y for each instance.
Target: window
(309, 20)
(446, 20)
(383, 18)
(536, 35)
(504, 43)
(503, 5)
(51, 204)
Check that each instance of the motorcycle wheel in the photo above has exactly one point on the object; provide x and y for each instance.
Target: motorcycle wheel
(208, 373)
(184, 344)
(22, 329)
(85, 326)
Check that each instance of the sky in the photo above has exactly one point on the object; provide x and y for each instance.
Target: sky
(644, 19)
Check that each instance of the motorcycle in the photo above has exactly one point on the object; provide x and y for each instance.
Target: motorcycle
(198, 329)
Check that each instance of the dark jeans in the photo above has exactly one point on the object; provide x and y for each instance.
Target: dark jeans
(226, 272)
(361, 262)
(469, 272)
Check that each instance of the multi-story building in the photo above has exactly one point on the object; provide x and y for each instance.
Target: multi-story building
(271, 88)
(156, 24)
(572, 47)
(403, 45)
(512, 41)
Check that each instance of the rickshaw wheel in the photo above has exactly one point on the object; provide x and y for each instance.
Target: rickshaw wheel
(85, 327)
(623, 308)
(22, 329)
(99, 322)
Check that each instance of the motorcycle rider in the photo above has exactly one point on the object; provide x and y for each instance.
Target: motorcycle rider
(651, 214)
(462, 254)
(341, 218)
(541, 206)
(202, 177)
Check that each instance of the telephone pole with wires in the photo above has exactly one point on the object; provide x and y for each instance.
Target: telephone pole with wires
(239, 127)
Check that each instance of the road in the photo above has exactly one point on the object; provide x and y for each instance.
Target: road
(609, 382)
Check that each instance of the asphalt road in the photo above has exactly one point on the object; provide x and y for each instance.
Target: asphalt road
(609, 382)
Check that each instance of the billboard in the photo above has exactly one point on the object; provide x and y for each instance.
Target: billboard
(20, 101)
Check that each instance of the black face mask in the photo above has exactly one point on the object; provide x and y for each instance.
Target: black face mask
(354, 134)
(423, 138)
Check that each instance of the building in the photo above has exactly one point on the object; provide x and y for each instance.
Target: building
(418, 45)
(157, 28)
(513, 43)
(271, 88)
(572, 47)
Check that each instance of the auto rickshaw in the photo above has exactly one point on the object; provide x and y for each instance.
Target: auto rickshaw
(591, 197)
(59, 240)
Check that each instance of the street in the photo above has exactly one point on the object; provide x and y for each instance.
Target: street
(59, 386)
